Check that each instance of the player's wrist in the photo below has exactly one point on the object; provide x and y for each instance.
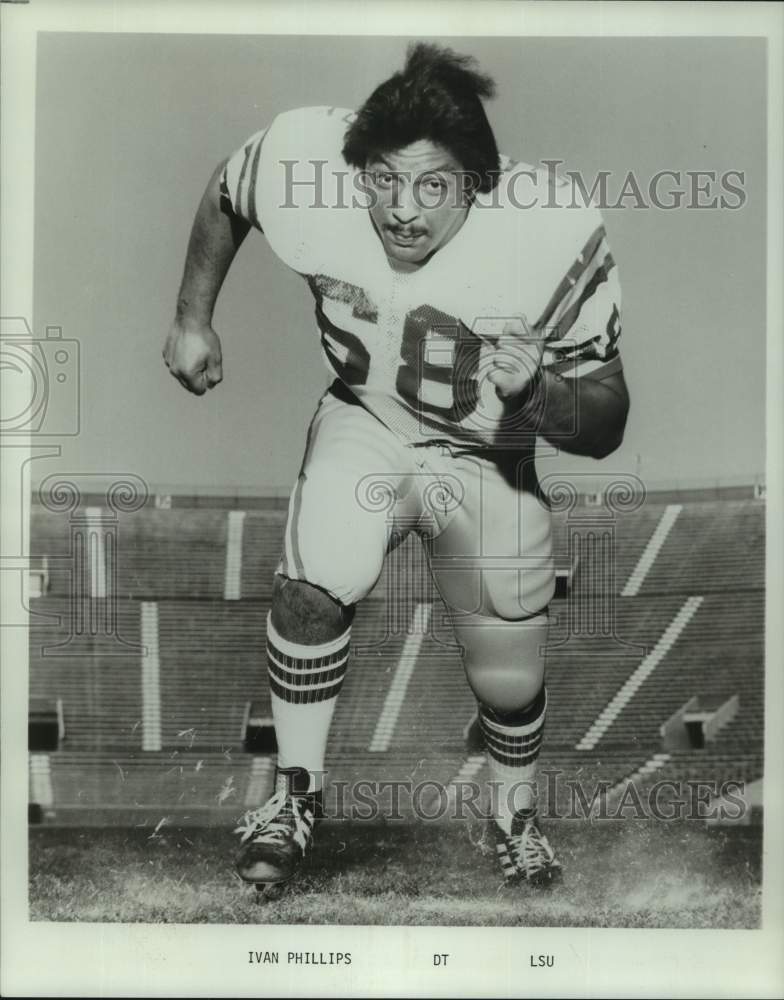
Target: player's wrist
(529, 403)
(190, 320)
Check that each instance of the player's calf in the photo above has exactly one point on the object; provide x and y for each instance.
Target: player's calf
(307, 655)
(308, 637)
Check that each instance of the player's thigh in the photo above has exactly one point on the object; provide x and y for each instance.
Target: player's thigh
(352, 489)
(492, 555)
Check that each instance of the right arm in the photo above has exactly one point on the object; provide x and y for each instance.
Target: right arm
(192, 350)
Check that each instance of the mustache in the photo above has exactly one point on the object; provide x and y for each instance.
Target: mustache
(406, 230)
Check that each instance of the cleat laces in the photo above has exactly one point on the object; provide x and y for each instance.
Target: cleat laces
(531, 851)
(272, 823)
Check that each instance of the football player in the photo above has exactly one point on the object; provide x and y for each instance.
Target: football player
(462, 310)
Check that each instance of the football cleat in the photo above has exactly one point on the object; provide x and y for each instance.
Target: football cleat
(526, 853)
(277, 835)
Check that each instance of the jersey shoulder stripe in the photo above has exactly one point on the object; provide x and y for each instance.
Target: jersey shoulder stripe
(572, 276)
(582, 320)
(595, 275)
(239, 181)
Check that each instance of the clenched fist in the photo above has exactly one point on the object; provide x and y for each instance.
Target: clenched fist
(515, 356)
(193, 355)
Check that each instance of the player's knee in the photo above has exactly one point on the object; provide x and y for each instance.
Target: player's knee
(504, 661)
(505, 687)
(346, 572)
(304, 613)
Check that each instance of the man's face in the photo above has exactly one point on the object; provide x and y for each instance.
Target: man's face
(418, 204)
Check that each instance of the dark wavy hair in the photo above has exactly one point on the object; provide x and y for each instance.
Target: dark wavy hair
(437, 96)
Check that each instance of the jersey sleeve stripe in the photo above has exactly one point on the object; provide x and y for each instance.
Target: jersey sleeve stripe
(566, 367)
(238, 180)
(598, 277)
(253, 214)
(238, 199)
(573, 275)
(225, 197)
(596, 368)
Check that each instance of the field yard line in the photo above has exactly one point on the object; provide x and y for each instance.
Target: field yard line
(259, 781)
(654, 763)
(151, 668)
(648, 557)
(232, 582)
(626, 692)
(471, 767)
(385, 727)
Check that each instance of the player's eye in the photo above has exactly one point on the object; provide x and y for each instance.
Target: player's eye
(433, 184)
(384, 179)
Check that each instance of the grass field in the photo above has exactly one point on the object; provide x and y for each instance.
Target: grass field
(629, 873)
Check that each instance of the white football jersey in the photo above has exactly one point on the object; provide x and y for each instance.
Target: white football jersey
(413, 346)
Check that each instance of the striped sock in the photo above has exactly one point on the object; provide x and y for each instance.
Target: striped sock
(513, 740)
(304, 685)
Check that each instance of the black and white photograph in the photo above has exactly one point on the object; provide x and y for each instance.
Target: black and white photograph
(391, 442)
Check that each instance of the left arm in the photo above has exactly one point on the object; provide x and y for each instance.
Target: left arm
(583, 416)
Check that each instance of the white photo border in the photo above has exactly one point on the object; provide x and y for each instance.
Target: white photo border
(61, 959)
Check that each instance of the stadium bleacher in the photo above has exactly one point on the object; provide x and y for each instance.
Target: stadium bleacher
(157, 654)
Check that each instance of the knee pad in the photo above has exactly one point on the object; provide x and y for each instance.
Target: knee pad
(504, 661)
